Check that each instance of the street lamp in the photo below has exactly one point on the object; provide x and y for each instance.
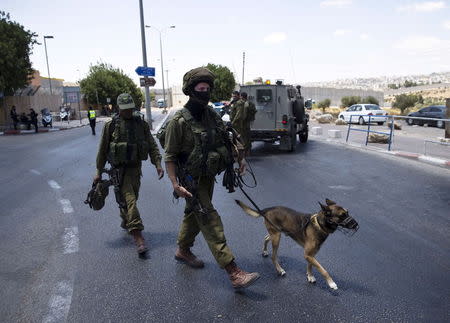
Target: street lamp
(162, 64)
(46, 57)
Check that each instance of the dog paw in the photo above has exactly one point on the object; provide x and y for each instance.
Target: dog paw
(333, 286)
(311, 279)
(265, 253)
(281, 273)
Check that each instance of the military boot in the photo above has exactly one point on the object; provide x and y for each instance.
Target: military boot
(185, 255)
(140, 242)
(238, 277)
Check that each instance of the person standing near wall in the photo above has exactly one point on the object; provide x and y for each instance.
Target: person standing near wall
(33, 120)
(14, 116)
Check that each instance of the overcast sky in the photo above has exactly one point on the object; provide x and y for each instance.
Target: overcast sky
(295, 40)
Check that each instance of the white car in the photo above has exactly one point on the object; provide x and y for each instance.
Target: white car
(360, 114)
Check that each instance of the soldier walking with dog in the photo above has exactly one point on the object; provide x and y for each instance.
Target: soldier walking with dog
(126, 141)
(195, 152)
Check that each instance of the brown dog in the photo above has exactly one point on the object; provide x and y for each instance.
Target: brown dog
(308, 230)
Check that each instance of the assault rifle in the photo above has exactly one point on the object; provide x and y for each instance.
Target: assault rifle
(115, 179)
(189, 183)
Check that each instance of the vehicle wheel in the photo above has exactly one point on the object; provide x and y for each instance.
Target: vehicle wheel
(440, 124)
(410, 121)
(45, 125)
(361, 121)
(303, 137)
(380, 123)
(342, 117)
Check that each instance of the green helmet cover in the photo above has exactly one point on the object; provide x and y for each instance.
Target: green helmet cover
(125, 101)
(195, 76)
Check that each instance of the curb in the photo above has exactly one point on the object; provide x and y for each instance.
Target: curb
(403, 154)
(23, 132)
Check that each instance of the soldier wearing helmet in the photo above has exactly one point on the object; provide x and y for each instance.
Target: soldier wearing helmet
(195, 144)
(126, 141)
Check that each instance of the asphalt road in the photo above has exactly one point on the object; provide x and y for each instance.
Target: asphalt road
(61, 261)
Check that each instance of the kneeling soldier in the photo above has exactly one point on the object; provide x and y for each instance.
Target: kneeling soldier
(195, 152)
(126, 141)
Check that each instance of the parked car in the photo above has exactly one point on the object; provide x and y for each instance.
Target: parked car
(433, 111)
(360, 114)
(161, 103)
(218, 107)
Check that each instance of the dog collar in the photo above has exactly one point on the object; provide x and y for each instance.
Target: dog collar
(315, 223)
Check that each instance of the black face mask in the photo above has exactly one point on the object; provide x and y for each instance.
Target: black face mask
(202, 97)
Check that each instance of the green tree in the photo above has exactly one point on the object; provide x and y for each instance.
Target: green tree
(16, 45)
(409, 83)
(370, 100)
(324, 104)
(350, 100)
(405, 101)
(223, 84)
(108, 82)
(393, 86)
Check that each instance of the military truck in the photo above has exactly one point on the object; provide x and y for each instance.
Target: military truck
(280, 114)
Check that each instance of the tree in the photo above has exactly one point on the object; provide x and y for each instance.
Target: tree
(393, 86)
(223, 84)
(370, 100)
(324, 104)
(16, 45)
(350, 100)
(105, 81)
(405, 101)
(409, 83)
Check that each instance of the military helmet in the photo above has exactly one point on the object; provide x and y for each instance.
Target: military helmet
(195, 76)
(125, 101)
(97, 195)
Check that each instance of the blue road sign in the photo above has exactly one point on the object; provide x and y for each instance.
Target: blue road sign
(145, 71)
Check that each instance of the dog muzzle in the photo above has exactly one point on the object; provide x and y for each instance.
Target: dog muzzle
(348, 226)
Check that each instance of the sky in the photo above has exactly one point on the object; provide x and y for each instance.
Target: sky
(294, 40)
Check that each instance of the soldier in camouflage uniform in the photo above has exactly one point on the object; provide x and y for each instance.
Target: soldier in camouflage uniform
(126, 141)
(242, 119)
(194, 140)
(234, 103)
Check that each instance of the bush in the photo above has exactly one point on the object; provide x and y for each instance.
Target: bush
(370, 100)
(406, 101)
(350, 100)
(324, 104)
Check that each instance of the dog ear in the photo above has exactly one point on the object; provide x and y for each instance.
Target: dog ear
(329, 202)
(325, 208)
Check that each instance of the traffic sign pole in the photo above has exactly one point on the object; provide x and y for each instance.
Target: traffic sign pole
(148, 111)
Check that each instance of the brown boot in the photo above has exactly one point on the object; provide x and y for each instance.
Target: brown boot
(185, 255)
(140, 242)
(238, 277)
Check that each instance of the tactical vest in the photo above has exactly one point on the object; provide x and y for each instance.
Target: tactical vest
(210, 156)
(128, 144)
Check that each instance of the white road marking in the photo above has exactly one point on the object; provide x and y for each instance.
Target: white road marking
(341, 187)
(35, 172)
(71, 241)
(66, 206)
(59, 303)
(54, 185)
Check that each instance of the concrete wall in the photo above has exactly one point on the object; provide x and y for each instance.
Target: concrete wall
(413, 89)
(24, 103)
(178, 97)
(335, 95)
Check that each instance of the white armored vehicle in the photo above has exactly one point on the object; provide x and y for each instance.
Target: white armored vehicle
(280, 114)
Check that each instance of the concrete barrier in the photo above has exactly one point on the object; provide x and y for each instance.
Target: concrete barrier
(334, 133)
(317, 131)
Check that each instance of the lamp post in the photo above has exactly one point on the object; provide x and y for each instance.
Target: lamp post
(46, 57)
(162, 64)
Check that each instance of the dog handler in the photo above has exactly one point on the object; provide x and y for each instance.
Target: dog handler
(194, 138)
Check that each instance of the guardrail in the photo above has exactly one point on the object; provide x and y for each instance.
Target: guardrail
(391, 125)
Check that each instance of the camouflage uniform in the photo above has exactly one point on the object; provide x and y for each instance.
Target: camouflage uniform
(242, 120)
(134, 133)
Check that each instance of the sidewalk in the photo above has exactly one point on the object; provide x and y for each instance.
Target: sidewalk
(419, 143)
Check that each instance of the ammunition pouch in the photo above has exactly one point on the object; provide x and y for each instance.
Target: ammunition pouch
(121, 153)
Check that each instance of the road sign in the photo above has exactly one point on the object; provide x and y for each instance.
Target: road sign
(145, 71)
(147, 81)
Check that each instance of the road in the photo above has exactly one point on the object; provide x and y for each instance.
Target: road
(61, 261)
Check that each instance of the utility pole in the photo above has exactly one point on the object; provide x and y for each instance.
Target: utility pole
(46, 58)
(148, 111)
(162, 72)
(168, 87)
(243, 67)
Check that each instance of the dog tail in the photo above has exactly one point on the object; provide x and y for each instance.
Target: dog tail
(247, 209)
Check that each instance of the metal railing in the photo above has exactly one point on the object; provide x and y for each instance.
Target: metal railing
(390, 118)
